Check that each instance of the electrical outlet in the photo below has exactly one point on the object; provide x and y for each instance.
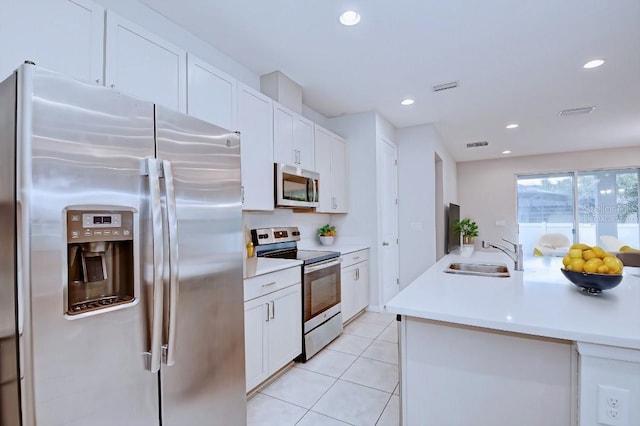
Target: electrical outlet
(613, 406)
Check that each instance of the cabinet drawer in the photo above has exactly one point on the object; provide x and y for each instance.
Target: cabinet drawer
(355, 257)
(268, 283)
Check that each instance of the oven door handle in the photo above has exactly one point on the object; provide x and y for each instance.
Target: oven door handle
(322, 265)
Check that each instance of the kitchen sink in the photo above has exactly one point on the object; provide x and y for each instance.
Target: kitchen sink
(479, 269)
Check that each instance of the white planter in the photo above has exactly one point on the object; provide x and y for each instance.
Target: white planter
(466, 250)
(326, 241)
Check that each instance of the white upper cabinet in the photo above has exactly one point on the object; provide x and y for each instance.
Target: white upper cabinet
(211, 94)
(303, 141)
(139, 63)
(292, 138)
(65, 36)
(330, 162)
(255, 123)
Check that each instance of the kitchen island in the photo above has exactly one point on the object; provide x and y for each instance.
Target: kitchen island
(529, 349)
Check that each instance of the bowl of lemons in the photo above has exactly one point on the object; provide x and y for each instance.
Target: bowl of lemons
(592, 269)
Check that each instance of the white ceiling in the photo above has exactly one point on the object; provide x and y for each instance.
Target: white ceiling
(516, 61)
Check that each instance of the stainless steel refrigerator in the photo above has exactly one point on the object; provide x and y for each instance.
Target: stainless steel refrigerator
(121, 295)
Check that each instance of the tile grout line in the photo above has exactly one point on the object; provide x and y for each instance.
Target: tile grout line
(385, 407)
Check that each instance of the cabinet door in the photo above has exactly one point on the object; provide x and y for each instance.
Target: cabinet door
(347, 288)
(283, 151)
(255, 341)
(65, 36)
(255, 122)
(285, 326)
(211, 94)
(361, 287)
(303, 142)
(142, 64)
(339, 175)
(323, 146)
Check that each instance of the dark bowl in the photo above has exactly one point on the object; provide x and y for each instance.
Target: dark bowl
(592, 283)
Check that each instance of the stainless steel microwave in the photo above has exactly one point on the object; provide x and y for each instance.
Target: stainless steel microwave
(296, 187)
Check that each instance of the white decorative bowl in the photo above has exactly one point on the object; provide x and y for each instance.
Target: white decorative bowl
(326, 241)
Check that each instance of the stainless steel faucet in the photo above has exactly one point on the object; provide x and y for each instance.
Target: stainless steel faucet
(515, 254)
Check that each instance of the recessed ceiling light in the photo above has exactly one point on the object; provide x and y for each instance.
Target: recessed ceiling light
(349, 18)
(594, 64)
(407, 101)
(512, 126)
(506, 152)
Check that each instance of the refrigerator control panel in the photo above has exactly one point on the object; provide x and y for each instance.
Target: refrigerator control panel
(88, 226)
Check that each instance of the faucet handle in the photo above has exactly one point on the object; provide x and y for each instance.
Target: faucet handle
(515, 246)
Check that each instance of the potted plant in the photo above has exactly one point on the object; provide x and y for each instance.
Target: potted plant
(468, 230)
(327, 234)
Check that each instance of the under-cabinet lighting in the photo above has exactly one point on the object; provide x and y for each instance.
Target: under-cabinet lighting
(407, 101)
(512, 126)
(506, 152)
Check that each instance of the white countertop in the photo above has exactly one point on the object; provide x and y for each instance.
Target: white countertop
(539, 301)
(263, 265)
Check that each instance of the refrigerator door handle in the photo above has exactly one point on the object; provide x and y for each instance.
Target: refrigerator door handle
(158, 290)
(174, 282)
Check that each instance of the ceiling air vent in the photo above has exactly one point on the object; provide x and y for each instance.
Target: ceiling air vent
(576, 111)
(477, 144)
(445, 86)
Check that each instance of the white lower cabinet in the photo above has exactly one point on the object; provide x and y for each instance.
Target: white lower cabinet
(272, 323)
(354, 283)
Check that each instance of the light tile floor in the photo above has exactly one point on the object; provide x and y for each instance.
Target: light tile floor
(353, 381)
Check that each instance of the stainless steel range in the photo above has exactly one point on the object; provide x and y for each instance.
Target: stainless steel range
(321, 316)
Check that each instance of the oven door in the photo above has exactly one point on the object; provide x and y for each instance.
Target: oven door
(321, 292)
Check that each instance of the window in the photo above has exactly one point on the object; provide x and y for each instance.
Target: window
(581, 206)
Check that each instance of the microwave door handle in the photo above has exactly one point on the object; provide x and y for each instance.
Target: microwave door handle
(315, 190)
(174, 282)
(158, 290)
(316, 198)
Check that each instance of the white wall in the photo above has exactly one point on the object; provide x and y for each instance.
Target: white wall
(487, 190)
(360, 134)
(307, 222)
(360, 224)
(417, 147)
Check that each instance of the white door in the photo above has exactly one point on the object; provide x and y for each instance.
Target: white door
(323, 145)
(388, 220)
(339, 175)
(285, 326)
(255, 122)
(347, 284)
(303, 142)
(283, 151)
(211, 94)
(65, 36)
(139, 63)
(255, 341)
(361, 286)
